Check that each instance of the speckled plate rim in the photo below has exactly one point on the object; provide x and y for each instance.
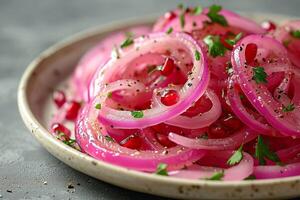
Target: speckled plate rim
(183, 188)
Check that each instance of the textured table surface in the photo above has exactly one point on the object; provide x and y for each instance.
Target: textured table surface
(27, 27)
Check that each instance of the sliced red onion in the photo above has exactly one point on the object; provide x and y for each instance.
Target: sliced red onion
(242, 113)
(192, 90)
(276, 171)
(235, 173)
(203, 119)
(283, 34)
(193, 22)
(92, 138)
(258, 94)
(97, 57)
(232, 142)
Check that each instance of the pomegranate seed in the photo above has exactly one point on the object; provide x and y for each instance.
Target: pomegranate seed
(232, 123)
(72, 110)
(201, 106)
(58, 128)
(250, 52)
(164, 140)
(168, 67)
(170, 16)
(225, 44)
(268, 26)
(132, 142)
(217, 131)
(170, 98)
(59, 98)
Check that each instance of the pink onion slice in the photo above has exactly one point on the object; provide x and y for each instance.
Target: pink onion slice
(91, 136)
(235, 140)
(97, 57)
(283, 34)
(241, 112)
(258, 94)
(234, 20)
(276, 171)
(203, 119)
(192, 90)
(235, 173)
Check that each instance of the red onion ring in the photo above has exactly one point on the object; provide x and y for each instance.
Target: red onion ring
(193, 89)
(258, 94)
(232, 142)
(235, 173)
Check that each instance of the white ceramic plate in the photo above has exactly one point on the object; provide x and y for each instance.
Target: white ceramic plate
(54, 66)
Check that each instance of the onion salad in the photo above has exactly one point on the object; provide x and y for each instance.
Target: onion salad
(204, 93)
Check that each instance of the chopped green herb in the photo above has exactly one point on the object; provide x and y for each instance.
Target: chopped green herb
(98, 106)
(69, 142)
(180, 6)
(127, 42)
(262, 151)
(182, 20)
(129, 34)
(197, 55)
(296, 33)
(288, 108)
(162, 169)
(215, 47)
(170, 30)
(215, 17)
(197, 10)
(204, 136)
(109, 139)
(235, 39)
(236, 157)
(137, 114)
(286, 43)
(259, 75)
(251, 177)
(217, 176)
(61, 135)
(242, 96)
(109, 95)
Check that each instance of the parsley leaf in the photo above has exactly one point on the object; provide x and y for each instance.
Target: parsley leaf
(170, 30)
(235, 39)
(109, 95)
(98, 106)
(215, 17)
(217, 176)
(251, 177)
(236, 157)
(197, 10)
(259, 75)
(286, 43)
(296, 34)
(137, 114)
(109, 139)
(162, 169)
(127, 42)
(69, 142)
(182, 20)
(180, 6)
(197, 55)
(215, 47)
(288, 108)
(262, 151)
(129, 34)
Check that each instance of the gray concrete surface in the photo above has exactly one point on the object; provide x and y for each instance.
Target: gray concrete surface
(27, 27)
